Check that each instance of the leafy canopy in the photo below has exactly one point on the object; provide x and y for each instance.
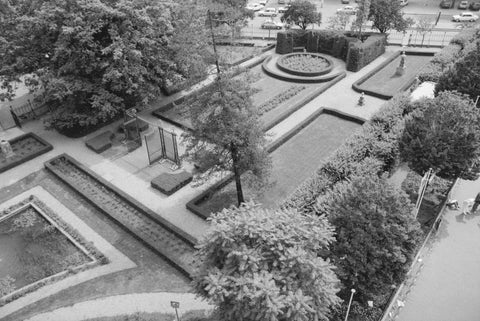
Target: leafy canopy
(376, 233)
(94, 58)
(227, 132)
(263, 265)
(464, 77)
(443, 134)
(387, 15)
(302, 13)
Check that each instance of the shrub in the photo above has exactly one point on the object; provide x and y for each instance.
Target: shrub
(361, 54)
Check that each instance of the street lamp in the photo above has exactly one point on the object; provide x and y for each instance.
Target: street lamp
(349, 304)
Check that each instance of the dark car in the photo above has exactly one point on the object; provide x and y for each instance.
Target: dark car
(463, 5)
(446, 4)
(475, 6)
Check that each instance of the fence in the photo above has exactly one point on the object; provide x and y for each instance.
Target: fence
(31, 109)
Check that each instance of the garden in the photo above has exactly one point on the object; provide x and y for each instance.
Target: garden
(315, 139)
(25, 147)
(384, 82)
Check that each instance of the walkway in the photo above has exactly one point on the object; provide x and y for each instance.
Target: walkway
(123, 305)
(448, 286)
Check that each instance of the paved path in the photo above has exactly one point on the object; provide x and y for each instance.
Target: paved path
(123, 305)
(448, 287)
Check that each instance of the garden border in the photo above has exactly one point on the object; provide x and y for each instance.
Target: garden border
(188, 239)
(79, 241)
(192, 205)
(48, 147)
(300, 79)
(357, 85)
(280, 64)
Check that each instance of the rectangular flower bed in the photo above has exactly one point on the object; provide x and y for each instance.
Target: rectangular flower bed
(295, 157)
(25, 147)
(161, 236)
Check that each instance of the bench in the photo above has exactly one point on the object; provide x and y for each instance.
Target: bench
(298, 49)
(169, 183)
(101, 142)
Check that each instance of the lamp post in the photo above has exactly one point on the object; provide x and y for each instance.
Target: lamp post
(349, 304)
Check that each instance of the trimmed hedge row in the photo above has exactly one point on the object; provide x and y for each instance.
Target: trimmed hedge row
(357, 54)
(377, 142)
(458, 47)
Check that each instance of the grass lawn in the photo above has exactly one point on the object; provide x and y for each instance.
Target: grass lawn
(387, 83)
(293, 162)
(231, 54)
(142, 316)
(32, 249)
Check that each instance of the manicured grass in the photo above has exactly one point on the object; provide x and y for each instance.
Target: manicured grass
(232, 54)
(293, 162)
(32, 249)
(386, 82)
(142, 316)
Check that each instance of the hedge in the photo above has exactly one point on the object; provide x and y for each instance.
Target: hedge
(458, 47)
(357, 54)
(378, 140)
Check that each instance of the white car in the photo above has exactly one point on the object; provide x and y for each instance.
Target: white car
(270, 24)
(254, 7)
(282, 9)
(348, 9)
(263, 2)
(465, 16)
(268, 12)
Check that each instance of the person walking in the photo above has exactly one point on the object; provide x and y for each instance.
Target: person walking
(475, 203)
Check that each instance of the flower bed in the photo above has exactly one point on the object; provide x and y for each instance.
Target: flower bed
(159, 235)
(305, 64)
(50, 249)
(25, 148)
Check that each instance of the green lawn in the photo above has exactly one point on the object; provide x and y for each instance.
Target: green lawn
(386, 82)
(141, 316)
(293, 162)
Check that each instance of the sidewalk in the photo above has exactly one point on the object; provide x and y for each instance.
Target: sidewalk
(448, 286)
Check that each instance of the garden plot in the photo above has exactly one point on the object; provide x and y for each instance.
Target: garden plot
(293, 161)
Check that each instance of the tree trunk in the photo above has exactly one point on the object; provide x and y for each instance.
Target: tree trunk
(236, 174)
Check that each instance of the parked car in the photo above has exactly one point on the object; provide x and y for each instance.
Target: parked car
(254, 7)
(474, 6)
(463, 5)
(446, 4)
(282, 9)
(403, 3)
(268, 12)
(345, 1)
(263, 2)
(348, 9)
(465, 16)
(270, 24)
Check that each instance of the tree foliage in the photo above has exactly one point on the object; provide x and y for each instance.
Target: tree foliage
(6, 285)
(94, 58)
(228, 134)
(443, 134)
(263, 265)
(376, 234)
(339, 21)
(464, 77)
(302, 13)
(387, 15)
(361, 17)
(231, 12)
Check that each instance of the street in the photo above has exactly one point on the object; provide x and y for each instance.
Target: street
(415, 10)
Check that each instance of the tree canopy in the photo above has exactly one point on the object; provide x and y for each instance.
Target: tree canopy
(376, 233)
(231, 12)
(302, 13)
(387, 15)
(464, 77)
(227, 133)
(95, 58)
(361, 17)
(262, 264)
(443, 134)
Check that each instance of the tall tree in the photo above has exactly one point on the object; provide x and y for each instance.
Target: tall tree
(424, 25)
(231, 12)
(92, 58)
(443, 134)
(464, 77)
(228, 134)
(361, 18)
(376, 234)
(302, 13)
(387, 15)
(262, 264)
(339, 21)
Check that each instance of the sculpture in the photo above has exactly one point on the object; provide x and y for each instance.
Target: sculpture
(6, 149)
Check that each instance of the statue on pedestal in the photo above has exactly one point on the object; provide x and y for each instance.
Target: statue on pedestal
(6, 149)
(401, 67)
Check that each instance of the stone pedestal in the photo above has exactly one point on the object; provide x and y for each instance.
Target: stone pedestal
(6, 150)
(400, 71)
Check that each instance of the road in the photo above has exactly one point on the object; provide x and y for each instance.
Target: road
(415, 9)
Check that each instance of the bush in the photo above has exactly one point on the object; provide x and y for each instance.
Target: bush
(361, 54)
